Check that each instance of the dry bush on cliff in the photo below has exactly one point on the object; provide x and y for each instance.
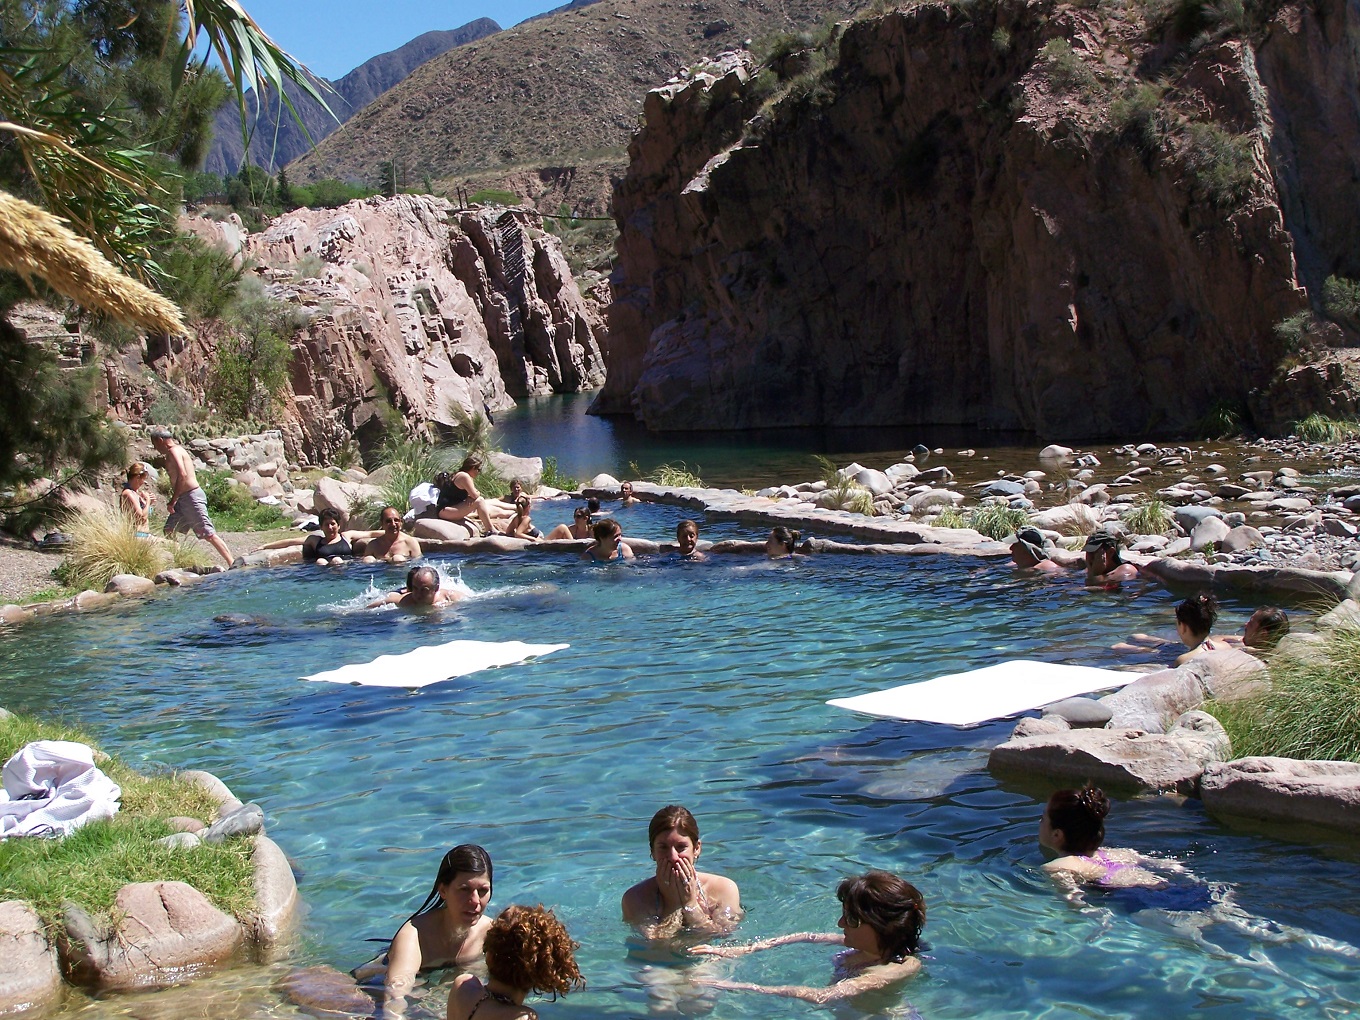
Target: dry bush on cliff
(1221, 163)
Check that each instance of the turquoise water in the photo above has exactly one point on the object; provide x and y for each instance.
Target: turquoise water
(701, 684)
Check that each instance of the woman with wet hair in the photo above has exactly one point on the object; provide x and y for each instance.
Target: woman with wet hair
(781, 543)
(1194, 622)
(528, 951)
(881, 920)
(678, 896)
(1073, 829)
(521, 525)
(580, 526)
(446, 930)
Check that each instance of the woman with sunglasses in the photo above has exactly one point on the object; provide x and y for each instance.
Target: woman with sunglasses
(447, 930)
(881, 921)
(580, 526)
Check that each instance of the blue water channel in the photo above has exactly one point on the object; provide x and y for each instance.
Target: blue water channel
(703, 684)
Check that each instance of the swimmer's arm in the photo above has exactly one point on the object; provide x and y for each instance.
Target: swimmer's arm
(403, 963)
(730, 952)
(388, 599)
(871, 979)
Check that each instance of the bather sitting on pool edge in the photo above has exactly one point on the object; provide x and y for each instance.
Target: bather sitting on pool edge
(679, 897)
(881, 920)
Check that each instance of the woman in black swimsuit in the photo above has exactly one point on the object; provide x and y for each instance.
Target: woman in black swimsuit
(459, 498)
(329, 547)
(527, 950)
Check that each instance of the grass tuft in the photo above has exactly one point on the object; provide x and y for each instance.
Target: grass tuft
(1318, 428)
(997, 521)
(90, 866)
(1150, 518)
(104, 543)
(233, 508)
(554, 477)
(949, 517)
(1312, 709)
(673, 475)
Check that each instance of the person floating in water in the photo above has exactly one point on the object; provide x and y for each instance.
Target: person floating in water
(390, 545)
(423, 590)
(1103, 565)
(1263, 631)
(1194, 621)
(528, 951)
(1030, 551)
(1072, 829)
(881, 921)
(679, 897)
(447, 930)
(328, 546)
(781, 543)
(687, 539)
(608, 544)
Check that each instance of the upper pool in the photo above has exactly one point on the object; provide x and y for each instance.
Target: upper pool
(702, 684)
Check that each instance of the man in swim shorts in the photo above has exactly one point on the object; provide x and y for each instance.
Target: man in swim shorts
(188, 501)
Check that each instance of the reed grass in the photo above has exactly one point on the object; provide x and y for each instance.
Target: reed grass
(1318, 428)
(1150, 518)
(996, 521)
(104, 543)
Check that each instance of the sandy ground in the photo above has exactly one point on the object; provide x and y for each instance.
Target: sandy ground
(24, 571)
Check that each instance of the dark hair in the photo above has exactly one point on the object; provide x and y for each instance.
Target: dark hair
(331, 514)
(672, 816)
(466, 858)
(1080, 814)
(415, 572)
(580, 512)
(472, 462)
(1271, 625)
(527, 948)
(1198, 613)
(523, 502)
(593, 505)
(442, 479)
(607, 528)
(891, 906)
(787, 538)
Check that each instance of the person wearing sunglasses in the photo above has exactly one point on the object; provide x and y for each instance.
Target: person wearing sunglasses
(881, 921)
(580, 526)
(390, 544)
(422, 591)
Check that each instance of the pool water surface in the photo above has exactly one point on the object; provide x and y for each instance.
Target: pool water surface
(702, 684)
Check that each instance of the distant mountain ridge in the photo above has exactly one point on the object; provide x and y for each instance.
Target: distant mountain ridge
(550, 91)
(351, 94)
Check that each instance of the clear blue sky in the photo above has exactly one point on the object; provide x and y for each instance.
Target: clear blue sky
(332, 37)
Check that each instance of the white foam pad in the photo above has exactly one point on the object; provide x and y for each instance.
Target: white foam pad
(433, 664)
(993, 692)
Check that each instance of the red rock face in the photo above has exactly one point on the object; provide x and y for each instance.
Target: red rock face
(415, 304)
(939, 232)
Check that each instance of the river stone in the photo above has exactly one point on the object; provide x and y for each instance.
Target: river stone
(1110, 758)
(130, 585)
(216, 790)
(876, 482)
(276, 894)
(1054, 452)
(933, 498)
(1208, 533)
(1032, 726)
(164, 934)
(449, 531)
(183, 823)
(1242, 538)
(936, 474)
(246, 820)
(1324, 793)
(1151, 701)
(1189, 517)
(1345, 614)
(5, 714)
(1339, 528)
(30, 978)
(1004, 487)
(1080, 713)
(1094, 495)
(605, 482)
(15, 614)
(177, 578)
(1230, 491)
(94, 599)
(325, 991)
(902, 472)
(1066, 517)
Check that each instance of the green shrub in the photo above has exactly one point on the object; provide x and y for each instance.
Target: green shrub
(89, 866)
(494, 196)
(553, 476)
(233, 508)
(105, 543)
(1293, 330)
(861, 501)
(672, 475)
(997, 521)
(1318, 428)
(252, 362)
(1139, 116)
(1341, 301)
(1001, 40)
(1311, 710)
(199, 277)
(1067, 71)
(1220, 162)
(1221, 421)
(1150, 518)
(950, 517)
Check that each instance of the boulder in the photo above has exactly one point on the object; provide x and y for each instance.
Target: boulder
(902, 472)
(1122, 759)
(246, 820)
(30, 978)
(1189, 517)
(163, 934)
(180, 841)
(94, 599)
(932, 498)
(529, 470)
(876, 482)
(130, 585)
(331, 493)
(1208, 533)
(276, 894)
(1054, 453)
(1148, 702)
(1042, 726)
(216, 789)
(449, 531)
(1242, 538)
(1080, 713)
(936, 474)
(605, 482)
(1339, 529)
(1069, 518)
(15, 614)
(177, 578)
(1285, 790)
(325, 991)
(1004, 487)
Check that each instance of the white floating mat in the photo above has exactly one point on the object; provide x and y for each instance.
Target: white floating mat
(993, 692)
(433, 664)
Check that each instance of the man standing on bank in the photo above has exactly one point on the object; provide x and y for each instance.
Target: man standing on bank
(188, 502)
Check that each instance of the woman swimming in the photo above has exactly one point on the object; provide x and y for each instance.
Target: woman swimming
(687, 541)
(881, 921)
(678, 896)
(608, 544)
(1194, 621)
(781, 543)
(527, 950)
(1072, 828)
(449, 927)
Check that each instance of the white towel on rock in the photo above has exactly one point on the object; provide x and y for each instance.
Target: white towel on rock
(51, 788)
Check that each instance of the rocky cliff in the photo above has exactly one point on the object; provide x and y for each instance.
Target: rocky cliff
(1070, 219)
(411, 306)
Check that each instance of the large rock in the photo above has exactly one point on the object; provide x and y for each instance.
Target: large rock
(529, 470)
(1068, 518)
(1285, 790)
(449, 531)
(276, 894)
(333, 494)
(1121, 759)
(1150, 702)
(325, 991)
(130, 585)
(1208, 533)
(30, 979)
(164, 933)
